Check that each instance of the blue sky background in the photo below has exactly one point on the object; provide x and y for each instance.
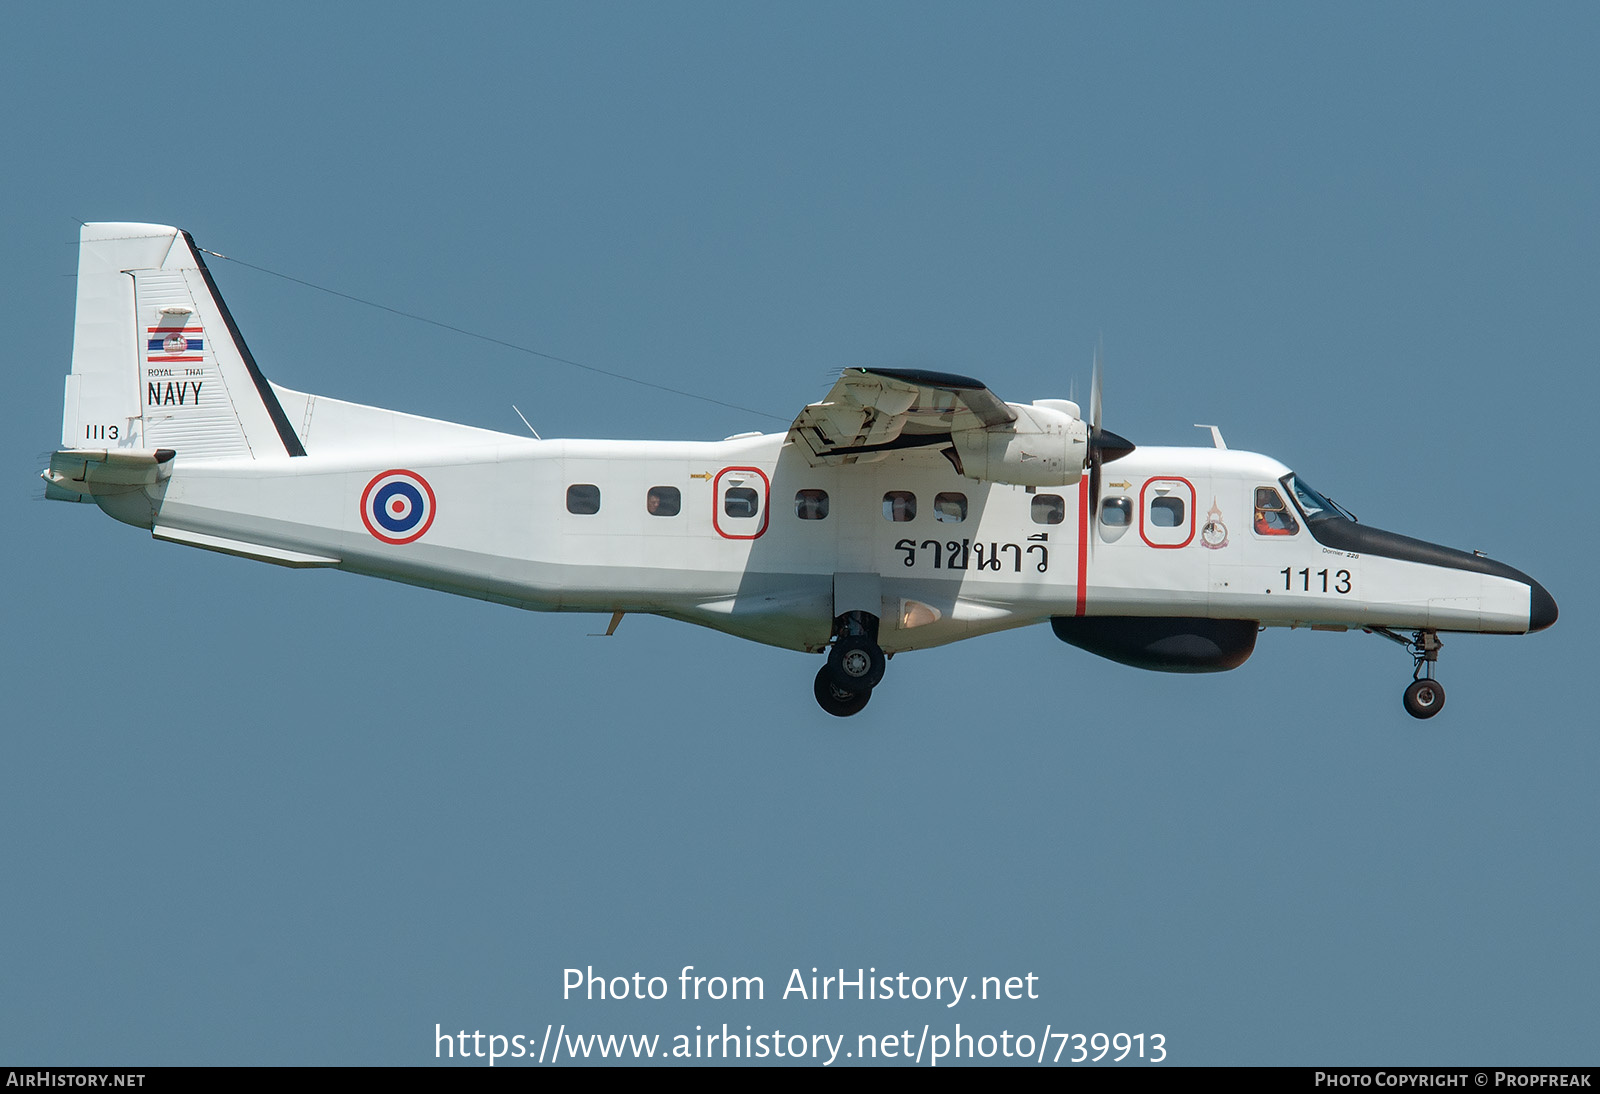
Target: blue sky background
(261, 816)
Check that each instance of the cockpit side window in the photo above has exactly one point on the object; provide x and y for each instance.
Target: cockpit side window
(1272, 514)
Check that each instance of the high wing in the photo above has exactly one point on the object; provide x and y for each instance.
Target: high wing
(873, 411)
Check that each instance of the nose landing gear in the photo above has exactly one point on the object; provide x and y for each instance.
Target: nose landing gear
(1425, 696)
(855, 665)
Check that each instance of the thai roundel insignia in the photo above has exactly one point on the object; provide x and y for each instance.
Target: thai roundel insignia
(397, 506)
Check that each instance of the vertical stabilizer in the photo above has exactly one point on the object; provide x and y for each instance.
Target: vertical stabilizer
(157, 361)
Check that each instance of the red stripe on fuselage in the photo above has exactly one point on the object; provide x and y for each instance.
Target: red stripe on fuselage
(1083, 544)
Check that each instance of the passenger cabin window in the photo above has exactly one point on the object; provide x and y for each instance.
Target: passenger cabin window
(1116, 512)
(950, 508)
(899, 506)
(1048, 509)
(1272, 515)
(663, 501)
(583, 499)
(740, 501)
(811, 504)
(1166, 512)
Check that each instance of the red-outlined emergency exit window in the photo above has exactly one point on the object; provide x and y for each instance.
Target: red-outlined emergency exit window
(1166, 512)
(740, 510)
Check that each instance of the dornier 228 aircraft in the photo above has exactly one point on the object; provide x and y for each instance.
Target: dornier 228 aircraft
(906, 510)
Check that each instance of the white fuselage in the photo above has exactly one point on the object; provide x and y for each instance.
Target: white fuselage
(907, 508)
(502, 529)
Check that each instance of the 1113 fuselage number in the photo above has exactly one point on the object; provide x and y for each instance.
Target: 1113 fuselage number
(1332, 581)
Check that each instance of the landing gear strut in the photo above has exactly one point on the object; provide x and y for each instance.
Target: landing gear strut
(1425, 696)
(855, 665)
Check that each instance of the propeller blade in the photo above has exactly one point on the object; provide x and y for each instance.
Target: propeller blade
(1104, 445)
(1094, 395)
(1095, 459)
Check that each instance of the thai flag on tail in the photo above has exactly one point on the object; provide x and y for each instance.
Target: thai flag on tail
(170, 343)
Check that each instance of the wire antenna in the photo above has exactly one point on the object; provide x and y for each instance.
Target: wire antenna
(496, 341)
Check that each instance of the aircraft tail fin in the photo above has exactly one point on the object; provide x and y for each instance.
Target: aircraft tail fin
(157, 361)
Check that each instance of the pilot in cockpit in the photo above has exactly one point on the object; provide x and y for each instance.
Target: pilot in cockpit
(1272, 514)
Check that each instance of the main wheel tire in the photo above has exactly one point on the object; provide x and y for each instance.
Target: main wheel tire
(838, 701)
(1424, 698)
(856, 664)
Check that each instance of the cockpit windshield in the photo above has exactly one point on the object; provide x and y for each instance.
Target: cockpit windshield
(1312, 504)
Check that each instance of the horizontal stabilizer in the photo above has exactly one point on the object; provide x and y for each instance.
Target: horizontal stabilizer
(76, 474)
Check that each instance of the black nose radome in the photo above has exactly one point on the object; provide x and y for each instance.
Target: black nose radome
(1541, 607)
(1344, 535)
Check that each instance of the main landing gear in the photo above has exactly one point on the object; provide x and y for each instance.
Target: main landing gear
(1425, 697)
(855, 665)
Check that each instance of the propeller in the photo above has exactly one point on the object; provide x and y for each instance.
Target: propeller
(1104, 445)
(1095, 383)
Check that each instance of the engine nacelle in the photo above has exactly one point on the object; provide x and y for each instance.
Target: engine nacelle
(1043, 447)
(1165, 645)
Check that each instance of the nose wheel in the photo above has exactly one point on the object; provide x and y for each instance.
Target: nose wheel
(856, 664)
(1425, 696)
